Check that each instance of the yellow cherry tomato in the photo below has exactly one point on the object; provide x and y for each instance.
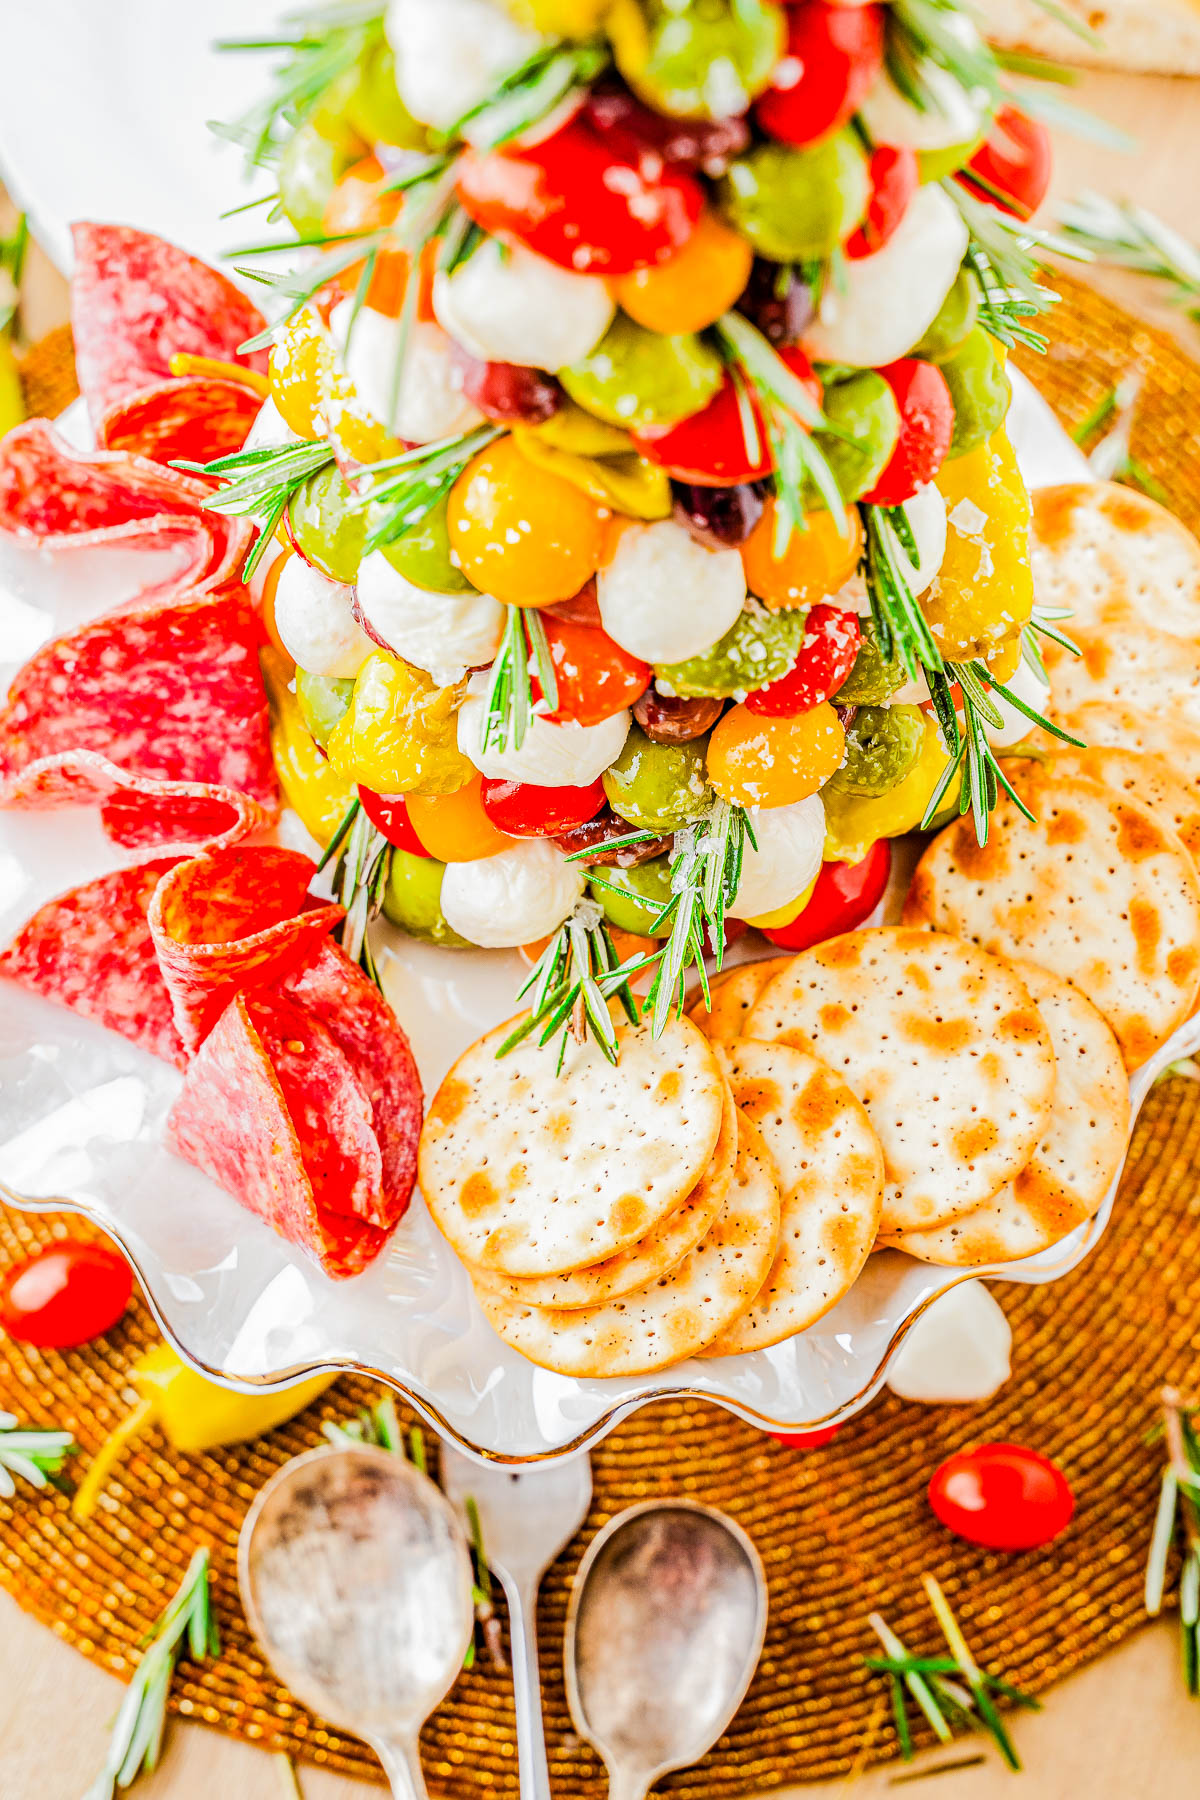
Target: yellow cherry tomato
(983, 592)
(852, 823)
(694, 287)
(783, 915)
(297, 354)
(454, 827)
(520, 533)
(755, 761)
(311, 786)
(809, 566)
(400, 733)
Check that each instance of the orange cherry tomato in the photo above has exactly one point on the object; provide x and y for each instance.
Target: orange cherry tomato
(455, 827)
(754, 761)
(811, 565)
(522, 534)
(596, 678)
(363, 202)
(267, 603)
(695, 285)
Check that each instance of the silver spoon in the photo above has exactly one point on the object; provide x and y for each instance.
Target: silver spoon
(664, 1632)
(526, 1516)
(356, 1579)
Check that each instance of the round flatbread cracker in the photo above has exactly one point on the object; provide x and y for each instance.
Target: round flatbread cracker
(1126, 663)
(533, 1172)
(1073, 1167)
(945, 1049)
(1147, 779)
(1106, 551)
(1095, 888)
(1102, 723)
(830, 1169)
(734, 992)
(674, 1317)
(648, 1259)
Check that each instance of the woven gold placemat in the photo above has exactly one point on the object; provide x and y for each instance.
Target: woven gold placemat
(842, 1530)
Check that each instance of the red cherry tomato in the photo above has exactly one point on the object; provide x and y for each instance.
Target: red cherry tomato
(895, 177)
(833, 56)
(389, 814)
(845, 895)
(805, 1440)
(926, 428)
(826, 657)
(1013, 164)
(596, 678)
(710, 447)
(65, 1294)
(1002, 1496)
(574, 200)
(523, 810)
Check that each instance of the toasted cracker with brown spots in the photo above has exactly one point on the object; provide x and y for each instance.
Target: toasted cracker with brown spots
(1147, 779)
(830, 1168)
(648, 1259)
(532, 1172)
(675, 1316)
(1104, 724)
(1096, 888)
(1109, 553)
(733, 992)
(1126, 663)
(944, 1047)
(1073, 1167)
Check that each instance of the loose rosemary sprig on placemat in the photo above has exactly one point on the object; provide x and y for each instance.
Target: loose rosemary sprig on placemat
(1178, 1518)
(572, 982)
(259, 485)
(949, 1690)
(1131, 237)
(1111, 457)
(138, 1732)
(35, 1454)
(361, 858)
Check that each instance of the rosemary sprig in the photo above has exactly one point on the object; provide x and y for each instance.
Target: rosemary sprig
(705, 871)
(949, 1690)
(1043, 623)
(527, 93)
(376, 1424)
(138, 1732)
(1003, 313)
(920, 32)
(900, 625)
(361, 858)
(32, 1452)
(402, 490)
(1112, 458)
(1178, 1517)
(12, 264)
(259, 484)
(509, 704)
(572, 982)
(1131, 237)
(325, 43)
(1000, 250)
(482, 1593)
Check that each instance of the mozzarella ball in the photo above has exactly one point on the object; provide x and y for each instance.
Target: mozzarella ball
(959, 1349)
(791, 842)
(953, 116)
(926, 515)
(444, 634)
(1028, 686)
(665, 597)
(522, 894)
(505, 304)
(451, 53)
(886, 302)
(428, 402)
(315, 621)
(550, 755)
(270, 430)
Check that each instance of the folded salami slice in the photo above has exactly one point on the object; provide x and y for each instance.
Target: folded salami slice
(232, 920)
(91, 950)
(190, 419)
(136, 300)
(273, 1111)
(135, 811)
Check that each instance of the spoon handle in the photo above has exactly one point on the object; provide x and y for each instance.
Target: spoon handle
(527, 1692)
(401, 1761)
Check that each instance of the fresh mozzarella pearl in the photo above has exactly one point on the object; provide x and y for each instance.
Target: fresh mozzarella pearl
(428, 402)
(550, 755)
(885, 302)
(450, 53)
(505, 304)
(444, 634)
(952, 116)
(270, 429)
(1028, 686)
(315, 621)
(665, 597)
(958, 1350)
(791, 840)
(523, 893)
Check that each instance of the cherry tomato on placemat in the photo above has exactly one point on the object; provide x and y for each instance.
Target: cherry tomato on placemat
(1002, 1496)
(845, 895)
(524, 810)
(65, 1294)
(926, 429)
(389, 814)
(1013, 163)
(805, 1440)
(826, 657)
(895, 176)
(832, 57)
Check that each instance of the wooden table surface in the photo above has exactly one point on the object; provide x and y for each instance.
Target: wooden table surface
(1120, 1729)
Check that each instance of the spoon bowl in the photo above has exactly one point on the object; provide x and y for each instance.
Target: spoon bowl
(664, 1633)
(356, 1579)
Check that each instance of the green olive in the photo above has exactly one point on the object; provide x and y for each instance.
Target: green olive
(866, 424)
(759, 646)
(645, 890)
(797, 205)
(324, 702)
(882, 745)
(980, 390)
(636, 377)
(872, 680)
(423, 557)
(325, 531)
(412, 900)
(696, 59)
(658, 787)
(954, 323)
(310, 167)
(375, 108)
(330, 115)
